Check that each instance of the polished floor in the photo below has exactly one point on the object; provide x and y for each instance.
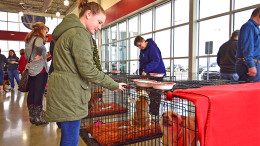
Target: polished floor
(16, 129)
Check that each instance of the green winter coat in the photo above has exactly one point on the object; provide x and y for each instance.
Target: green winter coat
(69, 86)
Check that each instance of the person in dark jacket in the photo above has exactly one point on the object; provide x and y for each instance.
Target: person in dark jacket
(3, 61)
(226, 58)
(12, 68)
(150, 58)
(51, 52)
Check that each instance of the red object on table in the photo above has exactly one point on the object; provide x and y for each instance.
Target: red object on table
(227, 115)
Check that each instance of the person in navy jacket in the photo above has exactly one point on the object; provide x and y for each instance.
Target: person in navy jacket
(150, 57)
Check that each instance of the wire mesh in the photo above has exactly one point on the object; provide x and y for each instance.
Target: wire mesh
(143, 116)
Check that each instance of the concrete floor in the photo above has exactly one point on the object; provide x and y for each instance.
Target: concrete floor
(16, 129)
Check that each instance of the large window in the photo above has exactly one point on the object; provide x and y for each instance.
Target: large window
(133, 67)
(122, 66)
(181, 12)
(122, 31)
(22, 45)
(241, 17)
(167, 64)
(23, 28)
(167, 23)
(181, 41)
(113, 33)
(3, 25)
(133, 26)
(12, 22)
(105, 34)
(215, 30)
(133, 50)
(180, 67)
(122, 50)
(52, 23)
(146, 22)
(13, 26)
(113, 52)
(105, 57)
(245, 3)
(13, 17)
(14, 45)
(213, 7)
(3, 16)
(163, 40)
(4, 47)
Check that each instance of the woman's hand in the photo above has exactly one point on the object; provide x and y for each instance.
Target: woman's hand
(121, 87)
(144, 73)
(36, 58)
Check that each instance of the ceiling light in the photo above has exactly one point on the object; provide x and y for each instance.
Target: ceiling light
(66, 2)
(20, 13)
(58, 14)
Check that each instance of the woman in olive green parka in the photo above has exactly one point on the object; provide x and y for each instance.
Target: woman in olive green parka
(69, 86)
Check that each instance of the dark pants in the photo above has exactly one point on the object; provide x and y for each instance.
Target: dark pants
(155, 100)
(1, 77)
(242, 70)
(36, 88)
(70, 133)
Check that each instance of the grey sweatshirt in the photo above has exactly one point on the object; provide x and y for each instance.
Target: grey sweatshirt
(35, 67)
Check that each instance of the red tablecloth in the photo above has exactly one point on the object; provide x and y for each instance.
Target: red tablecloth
(227, 115)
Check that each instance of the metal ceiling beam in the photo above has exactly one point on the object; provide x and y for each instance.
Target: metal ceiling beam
(46, 5)
(10, 8)
(74, 6)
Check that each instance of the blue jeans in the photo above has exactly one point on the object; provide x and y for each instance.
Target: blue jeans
(231, 76)
(1, 77)
(13, 74)
(70, 133)
(242, 70)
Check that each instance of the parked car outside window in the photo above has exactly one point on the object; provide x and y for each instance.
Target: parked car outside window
(214, 72)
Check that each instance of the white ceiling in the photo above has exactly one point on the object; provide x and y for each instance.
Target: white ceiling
(38, 7)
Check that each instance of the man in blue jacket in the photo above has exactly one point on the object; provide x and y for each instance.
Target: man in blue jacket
(248, 49)
(150, 57)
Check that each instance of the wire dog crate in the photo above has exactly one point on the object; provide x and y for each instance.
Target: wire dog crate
(177, 118)
(104, 104)
(139, 121)
(143, 116)
(120, 128)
